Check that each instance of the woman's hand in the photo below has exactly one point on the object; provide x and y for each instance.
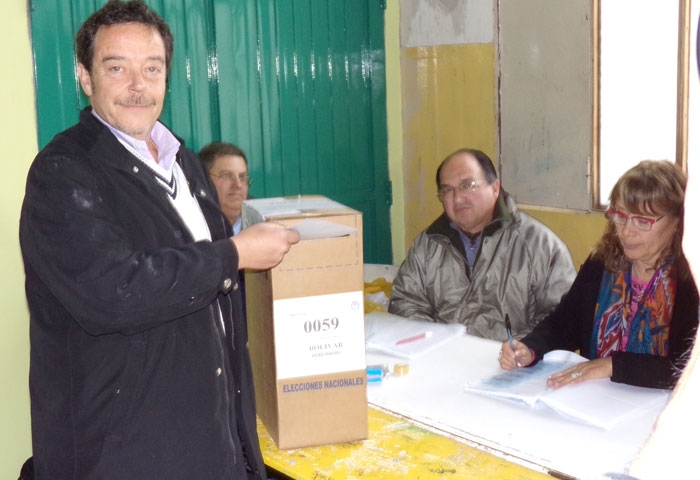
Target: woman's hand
(510, 359)
(598, 368)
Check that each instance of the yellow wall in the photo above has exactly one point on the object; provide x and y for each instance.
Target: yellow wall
(580, 231)
(448, 101)
(19, 144)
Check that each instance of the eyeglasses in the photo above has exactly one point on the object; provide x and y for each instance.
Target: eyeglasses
(230, 177)
(466, 187)
(640, 223)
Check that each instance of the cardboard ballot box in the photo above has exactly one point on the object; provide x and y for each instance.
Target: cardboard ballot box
(306, 325)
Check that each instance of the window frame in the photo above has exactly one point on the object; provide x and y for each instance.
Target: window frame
(682, 103)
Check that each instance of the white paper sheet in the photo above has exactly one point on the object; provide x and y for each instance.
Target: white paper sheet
(406, 338)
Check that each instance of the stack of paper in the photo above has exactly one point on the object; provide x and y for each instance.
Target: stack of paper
(601, 403)
(406, 338)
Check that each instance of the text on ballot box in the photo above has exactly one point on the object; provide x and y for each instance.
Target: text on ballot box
(306, 325)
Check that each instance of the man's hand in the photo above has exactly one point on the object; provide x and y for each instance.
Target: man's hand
(263, 245)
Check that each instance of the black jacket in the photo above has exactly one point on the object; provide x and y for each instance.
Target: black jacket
(570, 327)
(131, 375)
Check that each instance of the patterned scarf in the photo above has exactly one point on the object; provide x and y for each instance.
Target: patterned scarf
(648, 330)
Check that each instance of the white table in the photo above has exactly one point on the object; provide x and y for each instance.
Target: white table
(433, 395)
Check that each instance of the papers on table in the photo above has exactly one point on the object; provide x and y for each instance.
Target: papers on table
(601, 403)
(406, 338)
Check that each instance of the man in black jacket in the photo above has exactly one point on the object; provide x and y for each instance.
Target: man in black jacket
(139, 361)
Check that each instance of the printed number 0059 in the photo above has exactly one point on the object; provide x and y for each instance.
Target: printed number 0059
(321, 325)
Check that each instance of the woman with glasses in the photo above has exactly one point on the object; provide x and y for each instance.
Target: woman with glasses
(633, 308)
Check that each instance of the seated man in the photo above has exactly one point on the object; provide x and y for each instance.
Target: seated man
(228, 168)
(482, 259)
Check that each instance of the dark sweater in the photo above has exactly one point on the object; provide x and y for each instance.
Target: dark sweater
(570, 327)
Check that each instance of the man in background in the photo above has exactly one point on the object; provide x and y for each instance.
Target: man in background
(482, 259)
(227, 166)
(139, 362)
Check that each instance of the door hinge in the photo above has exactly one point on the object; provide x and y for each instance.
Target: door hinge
(388, 193)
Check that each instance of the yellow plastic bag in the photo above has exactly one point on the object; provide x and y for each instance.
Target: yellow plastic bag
(377, 294)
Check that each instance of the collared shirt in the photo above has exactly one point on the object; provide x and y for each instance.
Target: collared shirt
(237, 226)
(471, 244)
(168, 174)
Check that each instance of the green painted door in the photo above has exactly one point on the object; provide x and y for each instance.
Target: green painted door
(298, 84)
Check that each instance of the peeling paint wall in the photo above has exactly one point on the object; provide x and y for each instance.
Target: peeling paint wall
(448, 94)
(446, 22)
(449, 70)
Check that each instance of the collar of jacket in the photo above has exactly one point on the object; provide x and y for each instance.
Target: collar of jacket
(104, 146)
(502, 213)
(116, 160)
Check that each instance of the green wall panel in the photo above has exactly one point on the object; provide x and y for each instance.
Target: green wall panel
(299, 85)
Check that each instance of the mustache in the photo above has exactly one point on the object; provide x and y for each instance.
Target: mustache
(136, 102)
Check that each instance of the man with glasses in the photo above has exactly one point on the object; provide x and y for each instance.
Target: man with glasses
(227, 166)
(482, 259)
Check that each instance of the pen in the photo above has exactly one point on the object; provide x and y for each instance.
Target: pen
(510, 333)
(509, 330)
(420, 336)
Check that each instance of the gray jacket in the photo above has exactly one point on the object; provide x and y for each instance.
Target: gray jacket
(522, 269)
